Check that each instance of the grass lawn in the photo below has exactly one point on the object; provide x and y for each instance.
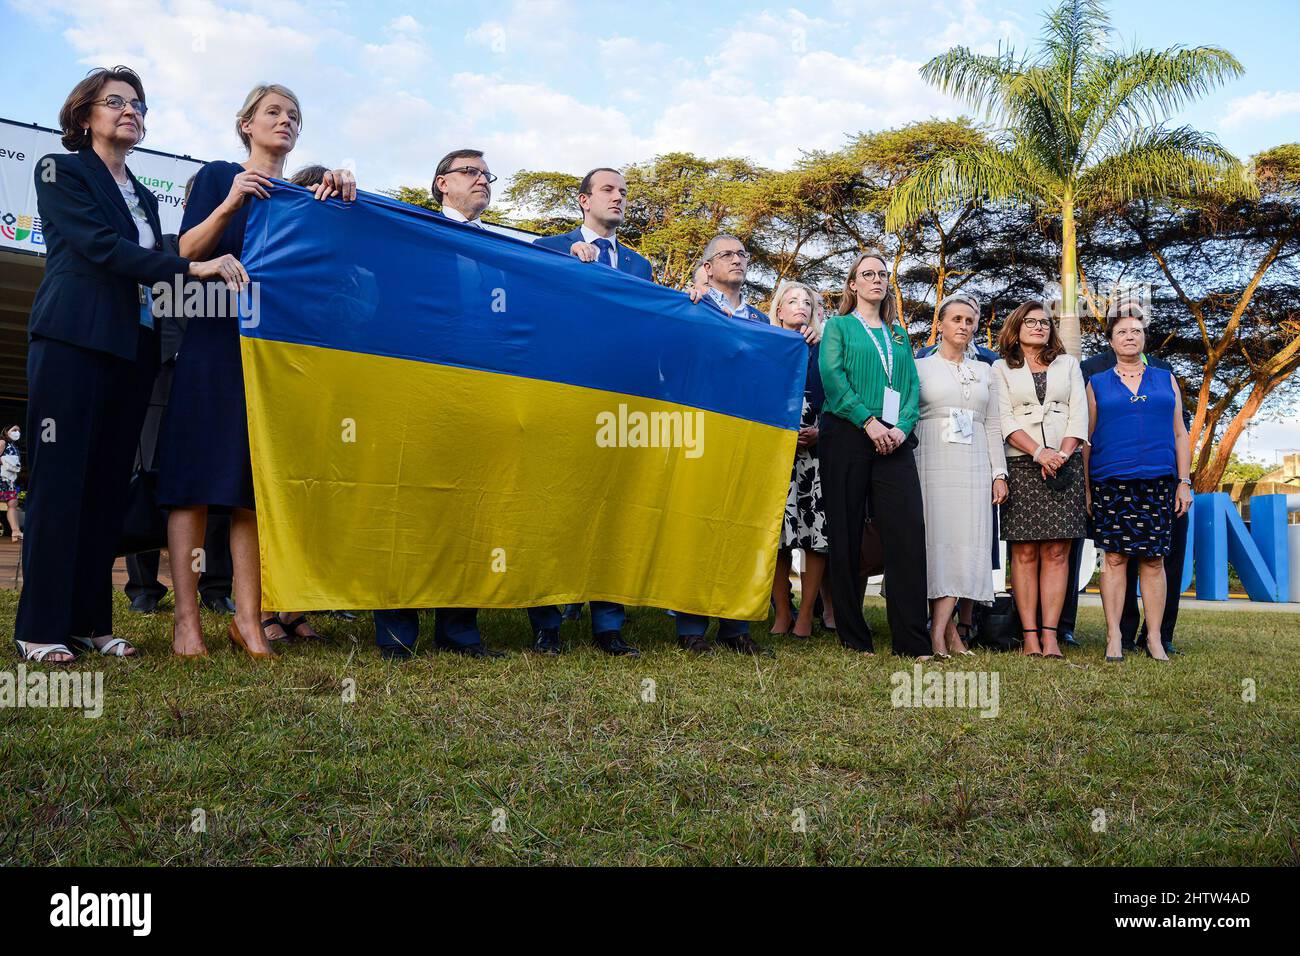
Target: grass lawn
(526, 760)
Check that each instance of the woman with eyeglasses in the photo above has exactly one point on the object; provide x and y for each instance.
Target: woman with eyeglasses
(1138, 467)
(804, 525)
(865, 448)
(91, 363)
(1044, 415)
(204, 455)
(962, 467)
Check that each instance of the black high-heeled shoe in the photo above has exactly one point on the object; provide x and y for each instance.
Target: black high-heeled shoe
(1057, 656)
(1031, 630)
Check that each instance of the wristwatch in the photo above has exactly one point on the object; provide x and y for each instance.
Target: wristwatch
(1185, 481)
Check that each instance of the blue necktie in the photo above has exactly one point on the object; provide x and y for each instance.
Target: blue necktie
(604, 258)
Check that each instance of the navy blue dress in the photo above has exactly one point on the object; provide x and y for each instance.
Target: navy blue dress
(203, 444)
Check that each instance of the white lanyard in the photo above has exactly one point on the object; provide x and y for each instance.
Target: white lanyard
(886, 355)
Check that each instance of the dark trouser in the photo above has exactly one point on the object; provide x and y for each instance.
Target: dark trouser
(605, 616)
(1128, 621)
(84, 413)
(1070, 609)
(694, 625)
(851, 470)
(452, 627)
(214, 582)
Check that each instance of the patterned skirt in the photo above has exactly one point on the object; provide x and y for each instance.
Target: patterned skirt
(804, 523)
(1034, 512)
(1134, 516)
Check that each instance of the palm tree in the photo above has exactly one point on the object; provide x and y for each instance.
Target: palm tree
(1080, 128)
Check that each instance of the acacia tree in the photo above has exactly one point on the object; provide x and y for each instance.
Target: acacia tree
(676, 203)
(1077, 126)
(1234, 267)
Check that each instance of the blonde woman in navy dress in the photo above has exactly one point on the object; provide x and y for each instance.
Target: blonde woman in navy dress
(1138, 465)
(205, 462)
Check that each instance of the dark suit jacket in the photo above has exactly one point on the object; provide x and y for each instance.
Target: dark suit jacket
(987, 356)
(89, 295)
(633, 263)
(813, 383)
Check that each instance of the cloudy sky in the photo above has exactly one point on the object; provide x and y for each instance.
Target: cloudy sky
(565, 84)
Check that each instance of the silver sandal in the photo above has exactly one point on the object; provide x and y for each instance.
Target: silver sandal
(30, 651)
(117, 647)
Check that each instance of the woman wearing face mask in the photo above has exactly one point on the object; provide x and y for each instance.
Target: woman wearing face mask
(205, 460)
(11, 463)
(1044, 421)
(866, 446)
(91, 364)
(962, 467)
(804, 526)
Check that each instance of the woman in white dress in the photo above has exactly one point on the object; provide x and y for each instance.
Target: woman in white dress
(962, 467)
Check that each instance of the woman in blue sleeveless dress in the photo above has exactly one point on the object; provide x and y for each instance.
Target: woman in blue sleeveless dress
(1138, 465)
(204, 454)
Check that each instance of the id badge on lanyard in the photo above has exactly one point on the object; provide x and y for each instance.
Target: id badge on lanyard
(892, 400)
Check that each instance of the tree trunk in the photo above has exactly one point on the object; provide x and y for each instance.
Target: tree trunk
(940, 282)
(1210, 475)
(1071, 333)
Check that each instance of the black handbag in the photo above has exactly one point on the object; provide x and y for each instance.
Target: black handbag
(997, 627)
(1061, 480)
(144, 525)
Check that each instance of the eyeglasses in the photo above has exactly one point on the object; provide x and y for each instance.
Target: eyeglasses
(869, 275)
(1038, 323)
(116, 102)
(474, 173)
(740, 255)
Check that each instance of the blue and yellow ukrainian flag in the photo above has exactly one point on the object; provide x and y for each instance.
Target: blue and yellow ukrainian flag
(441, 416)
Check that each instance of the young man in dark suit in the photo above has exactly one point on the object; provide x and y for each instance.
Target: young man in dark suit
(602, 196)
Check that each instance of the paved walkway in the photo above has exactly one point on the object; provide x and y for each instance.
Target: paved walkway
(9, 578)
(1192, 604)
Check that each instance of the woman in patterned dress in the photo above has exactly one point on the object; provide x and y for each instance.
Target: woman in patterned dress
(1138, 466)
(11, 463)
(804, 525)
(1044, 421)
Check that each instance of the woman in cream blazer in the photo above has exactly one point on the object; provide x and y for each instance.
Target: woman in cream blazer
(1044, 410)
